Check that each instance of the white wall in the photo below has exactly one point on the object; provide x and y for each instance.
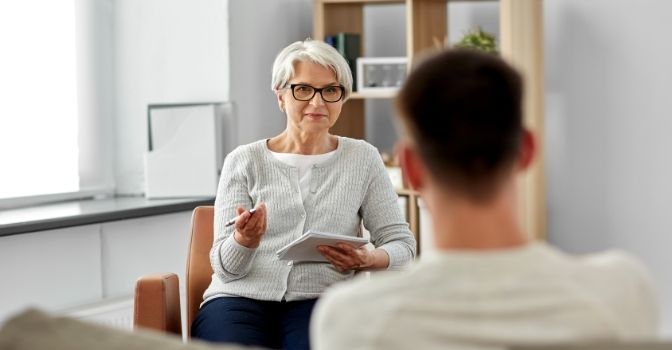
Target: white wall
(65, 268)
(164, 52)
(259, 30)
(608, 124)
(50, 269)
(96, 93)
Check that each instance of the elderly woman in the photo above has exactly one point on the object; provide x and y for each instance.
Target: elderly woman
(302, 179)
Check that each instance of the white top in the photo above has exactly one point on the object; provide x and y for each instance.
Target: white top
(305, 164)
(488, 300)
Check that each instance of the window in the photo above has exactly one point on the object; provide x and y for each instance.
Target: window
(39, 151)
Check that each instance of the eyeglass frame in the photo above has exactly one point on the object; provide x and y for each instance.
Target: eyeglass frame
(316, 90)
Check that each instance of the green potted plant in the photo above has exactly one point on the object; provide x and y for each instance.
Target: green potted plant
(478, 40)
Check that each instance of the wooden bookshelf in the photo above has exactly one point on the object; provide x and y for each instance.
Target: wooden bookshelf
(521, 43)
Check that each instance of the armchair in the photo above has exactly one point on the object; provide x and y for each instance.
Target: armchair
(157, 296)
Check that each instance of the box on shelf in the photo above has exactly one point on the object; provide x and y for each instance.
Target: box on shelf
(380, 74)
(187, 146)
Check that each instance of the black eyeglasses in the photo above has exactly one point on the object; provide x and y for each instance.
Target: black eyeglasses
(303, 92)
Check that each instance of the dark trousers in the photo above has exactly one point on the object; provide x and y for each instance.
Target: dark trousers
(270, 324)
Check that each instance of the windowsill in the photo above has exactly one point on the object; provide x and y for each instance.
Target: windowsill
(91, 211)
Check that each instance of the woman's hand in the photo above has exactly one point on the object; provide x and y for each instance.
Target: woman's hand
(250, 227)
(345, 257)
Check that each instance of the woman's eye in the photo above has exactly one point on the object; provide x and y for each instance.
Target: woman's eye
(304, 88)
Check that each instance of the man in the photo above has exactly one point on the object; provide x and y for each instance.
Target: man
(488, 286)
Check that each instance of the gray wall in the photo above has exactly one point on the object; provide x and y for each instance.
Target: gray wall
(259, 30)
(608, 123)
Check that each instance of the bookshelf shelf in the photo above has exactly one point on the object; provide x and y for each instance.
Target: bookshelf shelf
(366, 95)
(363, 1)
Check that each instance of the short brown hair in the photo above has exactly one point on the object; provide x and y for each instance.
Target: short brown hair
(462, 109)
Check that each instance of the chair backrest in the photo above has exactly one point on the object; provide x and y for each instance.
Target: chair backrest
(199, 270)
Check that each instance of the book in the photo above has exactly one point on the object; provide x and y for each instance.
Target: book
(304, 248)
(331, 40)
(348, 45)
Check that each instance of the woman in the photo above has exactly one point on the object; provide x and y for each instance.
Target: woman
(302, 179)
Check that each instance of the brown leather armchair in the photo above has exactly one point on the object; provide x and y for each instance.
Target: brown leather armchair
(157, 296)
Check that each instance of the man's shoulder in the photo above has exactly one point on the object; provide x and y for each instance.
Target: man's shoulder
(614, 264)
(621, 282)
(373, 299)
(600, 270)
(366, 290)
(343, 310)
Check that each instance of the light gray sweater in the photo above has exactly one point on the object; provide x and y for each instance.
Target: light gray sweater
(349, 187)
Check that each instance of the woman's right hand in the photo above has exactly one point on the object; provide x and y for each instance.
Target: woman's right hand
(249, 228)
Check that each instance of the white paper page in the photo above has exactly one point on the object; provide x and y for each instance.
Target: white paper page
(304, 248)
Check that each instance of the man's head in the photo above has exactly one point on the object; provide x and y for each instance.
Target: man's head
(461, 112)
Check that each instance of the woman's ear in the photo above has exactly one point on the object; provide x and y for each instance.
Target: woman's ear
(411, 165)
(527, 150)
(281, 100)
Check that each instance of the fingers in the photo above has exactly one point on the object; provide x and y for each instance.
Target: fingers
(343, 258)
(252, 224)
(250, 227)
(258, 219)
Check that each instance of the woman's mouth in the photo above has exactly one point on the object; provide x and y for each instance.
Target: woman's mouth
(315, 115)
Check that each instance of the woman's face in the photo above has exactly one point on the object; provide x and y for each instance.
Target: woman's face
(314, 115)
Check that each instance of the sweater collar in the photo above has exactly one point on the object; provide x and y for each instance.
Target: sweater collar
(262, 145)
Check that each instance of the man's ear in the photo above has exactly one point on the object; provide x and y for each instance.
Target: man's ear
(527, 150)
(411, 165)
(281, 101)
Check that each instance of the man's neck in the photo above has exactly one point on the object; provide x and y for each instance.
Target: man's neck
(460, 224)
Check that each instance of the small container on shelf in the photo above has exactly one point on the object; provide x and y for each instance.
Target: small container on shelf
(380, 74)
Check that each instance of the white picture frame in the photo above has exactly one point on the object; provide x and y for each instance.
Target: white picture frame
(381, 74)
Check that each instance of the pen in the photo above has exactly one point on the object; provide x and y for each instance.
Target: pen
(233, 221)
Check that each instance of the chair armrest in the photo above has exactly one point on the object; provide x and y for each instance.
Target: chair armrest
(157, 303)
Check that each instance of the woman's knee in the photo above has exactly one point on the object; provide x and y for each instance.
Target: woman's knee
(234, 320)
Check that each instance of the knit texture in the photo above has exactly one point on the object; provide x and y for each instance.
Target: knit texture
(491, 299)
(350, 188)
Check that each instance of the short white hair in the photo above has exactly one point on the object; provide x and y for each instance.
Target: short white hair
(315, 51)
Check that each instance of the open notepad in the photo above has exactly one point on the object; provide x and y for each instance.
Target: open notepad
(304, 248)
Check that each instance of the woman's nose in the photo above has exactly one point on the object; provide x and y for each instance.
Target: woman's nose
(317, 99)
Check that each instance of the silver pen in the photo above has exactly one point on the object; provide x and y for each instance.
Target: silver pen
(233, 221)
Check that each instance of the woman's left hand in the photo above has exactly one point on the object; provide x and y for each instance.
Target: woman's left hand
(345, 257)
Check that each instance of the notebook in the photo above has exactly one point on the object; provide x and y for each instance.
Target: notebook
(304, 248)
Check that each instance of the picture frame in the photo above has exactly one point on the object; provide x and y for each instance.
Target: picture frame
(381, 74)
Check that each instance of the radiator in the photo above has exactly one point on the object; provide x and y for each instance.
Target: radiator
(116, 313)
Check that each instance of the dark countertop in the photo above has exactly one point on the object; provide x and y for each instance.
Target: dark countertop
(91, 211)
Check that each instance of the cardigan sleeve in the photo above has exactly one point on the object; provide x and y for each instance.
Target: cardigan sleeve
(382, 217)
(229, 259)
